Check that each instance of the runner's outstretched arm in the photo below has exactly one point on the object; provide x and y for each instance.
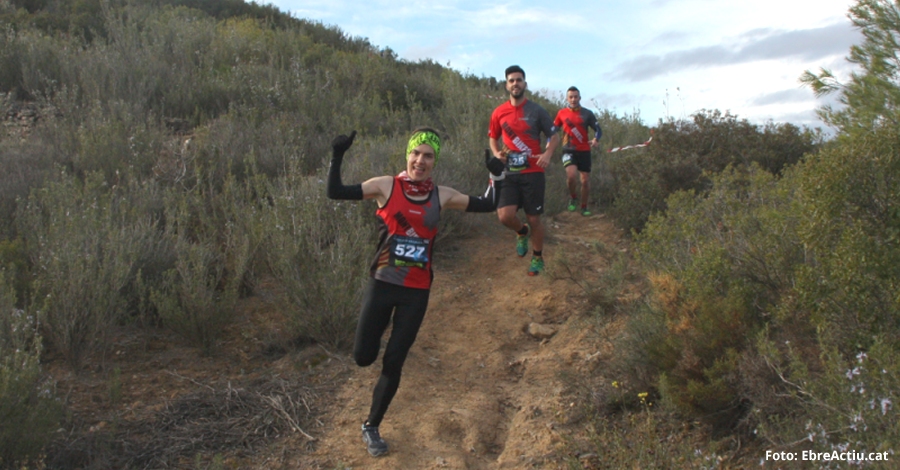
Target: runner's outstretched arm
(486, 202)
(336, 189)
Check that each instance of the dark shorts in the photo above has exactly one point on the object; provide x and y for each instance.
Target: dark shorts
(525, 191)
(581, 160)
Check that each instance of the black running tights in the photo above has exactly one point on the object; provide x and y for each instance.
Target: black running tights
(380, 301)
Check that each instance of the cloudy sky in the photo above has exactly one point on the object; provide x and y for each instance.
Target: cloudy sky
(660, 58)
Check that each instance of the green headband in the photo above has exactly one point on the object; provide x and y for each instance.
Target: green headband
(424, 137)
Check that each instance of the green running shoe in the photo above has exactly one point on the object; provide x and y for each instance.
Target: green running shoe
(585, 212)
(522, 243)
(572, 205)
(537, 266)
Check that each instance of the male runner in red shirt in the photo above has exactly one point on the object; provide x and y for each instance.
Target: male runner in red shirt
(575, 121)
(520, 123)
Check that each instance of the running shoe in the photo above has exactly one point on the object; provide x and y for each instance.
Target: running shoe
(537, 266)
(572, 205)
(374, 443)
(522, 243)
(585, 212)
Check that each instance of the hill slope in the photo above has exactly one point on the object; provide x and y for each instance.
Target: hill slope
(479, 390)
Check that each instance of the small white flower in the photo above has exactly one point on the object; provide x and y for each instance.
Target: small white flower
(886, 404)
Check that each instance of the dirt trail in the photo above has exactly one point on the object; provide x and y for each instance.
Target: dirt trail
(479, 391)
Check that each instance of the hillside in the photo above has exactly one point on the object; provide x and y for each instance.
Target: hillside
(478, 391)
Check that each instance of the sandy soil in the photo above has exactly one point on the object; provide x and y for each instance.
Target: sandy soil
(479, 390)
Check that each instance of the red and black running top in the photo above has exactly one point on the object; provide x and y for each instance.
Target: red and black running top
(575, 123)
(407, 229)
(521, 127)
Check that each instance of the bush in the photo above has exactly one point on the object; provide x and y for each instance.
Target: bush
(29, 413)
(209, 229)
(832, 346)
(14, 261)
(617, 132)
(83, 244)
(850, 223)
(22, 169)
(774, 297)
(188, 299)
(318, 252)
(721, 262)
(833, 403)
(683, 155)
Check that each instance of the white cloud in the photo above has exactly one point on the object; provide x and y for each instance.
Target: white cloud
(809, 44)
(792, 95)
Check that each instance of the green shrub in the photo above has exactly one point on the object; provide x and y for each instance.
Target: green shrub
(23, 167)
(29, 413)
(83, 244)
(36, 63)
(722, 262)
(210, 231)
(318, 252)
(831, 347)
(189, 300)
(850, 223)
(617, 132)
(834, 403)
(684, 154)
(775, 297)
(14, 261)
(10, 62)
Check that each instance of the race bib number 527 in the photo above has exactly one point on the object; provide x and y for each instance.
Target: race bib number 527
(409, 251)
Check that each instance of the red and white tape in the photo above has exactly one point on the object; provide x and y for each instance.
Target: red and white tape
(616, 149)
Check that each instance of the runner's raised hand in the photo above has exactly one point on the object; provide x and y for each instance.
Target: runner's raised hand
(341, 143)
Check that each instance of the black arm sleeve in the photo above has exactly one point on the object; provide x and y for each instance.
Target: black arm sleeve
(336, 189)
(487, 202)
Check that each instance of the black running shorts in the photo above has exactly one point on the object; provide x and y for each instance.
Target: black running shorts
(525, 191)
(582, 160)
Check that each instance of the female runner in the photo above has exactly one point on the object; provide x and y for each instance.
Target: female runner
(409, 208)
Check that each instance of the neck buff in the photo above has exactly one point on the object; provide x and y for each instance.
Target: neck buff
(415, 188)
(425, 137)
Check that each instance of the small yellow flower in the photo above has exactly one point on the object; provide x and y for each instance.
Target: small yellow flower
(642, 395)
(615, 384)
